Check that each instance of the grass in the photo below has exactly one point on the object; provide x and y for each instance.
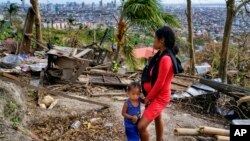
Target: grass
(11, 111)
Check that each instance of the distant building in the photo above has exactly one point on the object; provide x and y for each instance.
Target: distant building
(100, 4)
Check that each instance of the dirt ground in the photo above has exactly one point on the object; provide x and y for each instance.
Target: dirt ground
(55, 124)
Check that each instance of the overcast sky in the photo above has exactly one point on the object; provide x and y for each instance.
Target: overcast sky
(105, 1)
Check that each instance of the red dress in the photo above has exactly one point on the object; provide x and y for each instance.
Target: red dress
(160, 94)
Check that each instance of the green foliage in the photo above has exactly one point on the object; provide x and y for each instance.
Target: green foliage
(10, 109)
(16, 120)
(200, 41)
(130, 59)
(148, 14)
(6, 33)
(115, 66)
(64, 37)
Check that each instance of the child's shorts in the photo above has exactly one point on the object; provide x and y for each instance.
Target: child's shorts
(132, 132)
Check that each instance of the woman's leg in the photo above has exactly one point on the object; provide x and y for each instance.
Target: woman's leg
(142, 128)
(159, 128)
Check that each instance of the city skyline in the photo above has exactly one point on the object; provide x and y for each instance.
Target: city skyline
(118, 1)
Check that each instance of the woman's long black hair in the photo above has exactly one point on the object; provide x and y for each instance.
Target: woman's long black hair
(168, 35)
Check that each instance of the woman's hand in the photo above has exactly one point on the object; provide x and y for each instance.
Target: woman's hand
(147, 102)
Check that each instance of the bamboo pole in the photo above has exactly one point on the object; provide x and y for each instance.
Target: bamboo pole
(243, 99)
(186, 132)
(222, 138)
(213, 131)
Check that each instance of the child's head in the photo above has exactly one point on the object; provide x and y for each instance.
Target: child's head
(134, 90)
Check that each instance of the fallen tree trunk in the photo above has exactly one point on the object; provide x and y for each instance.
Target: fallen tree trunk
(214, 131)
(222, 138)
(186, 132)
(224, 88)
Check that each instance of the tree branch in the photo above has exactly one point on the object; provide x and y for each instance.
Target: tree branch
(244, 2)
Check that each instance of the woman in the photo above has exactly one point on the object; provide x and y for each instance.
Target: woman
(156, 83)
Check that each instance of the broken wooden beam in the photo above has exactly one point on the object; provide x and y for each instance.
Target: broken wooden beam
(55, 92)
(214, 131)
(186, 132)
(82, 53)
(98, 67)
(222, 138)
(108, 94)
(181, 85)
(188, 76)
(7, 75)
(105, 73)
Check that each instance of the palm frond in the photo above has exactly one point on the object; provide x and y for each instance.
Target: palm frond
(143, 12)
(171, 20)
(128, 52)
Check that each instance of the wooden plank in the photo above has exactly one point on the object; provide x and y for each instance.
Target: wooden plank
(79, 55)
(79, 71)
(56, 93)
(78, 98)
(185, 86)
(104, 73)
(188, 76)
(7, 75)
(108, 94)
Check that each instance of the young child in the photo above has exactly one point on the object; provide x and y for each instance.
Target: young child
(131, 111)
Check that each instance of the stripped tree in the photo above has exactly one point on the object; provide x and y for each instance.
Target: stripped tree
(190, 37)
(233, 7)
(35, 6)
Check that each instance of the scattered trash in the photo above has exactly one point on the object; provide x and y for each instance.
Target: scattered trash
(119, 98)
(46, 102)
(203, 68)
(109, 124)
(76, 124)
(95, 121)
(11, 60)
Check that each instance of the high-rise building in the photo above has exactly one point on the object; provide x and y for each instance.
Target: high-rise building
(100, 3)
(83, 4)
(23, 4)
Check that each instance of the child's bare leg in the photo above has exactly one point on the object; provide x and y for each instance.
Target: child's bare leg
(142, 127)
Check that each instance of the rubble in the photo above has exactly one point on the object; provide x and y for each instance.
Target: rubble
(57, 128)
(219, 134)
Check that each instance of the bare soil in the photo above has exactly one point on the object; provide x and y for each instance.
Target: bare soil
(55, 124)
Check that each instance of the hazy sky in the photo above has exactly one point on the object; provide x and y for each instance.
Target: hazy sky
(90, 1)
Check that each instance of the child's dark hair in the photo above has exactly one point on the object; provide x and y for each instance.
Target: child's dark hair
(133, 85)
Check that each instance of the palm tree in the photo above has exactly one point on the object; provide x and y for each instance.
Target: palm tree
(2, 24)
(12, 9)
(146, 14)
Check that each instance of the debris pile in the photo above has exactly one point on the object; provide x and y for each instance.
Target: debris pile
(218, 134)
(79, 127)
